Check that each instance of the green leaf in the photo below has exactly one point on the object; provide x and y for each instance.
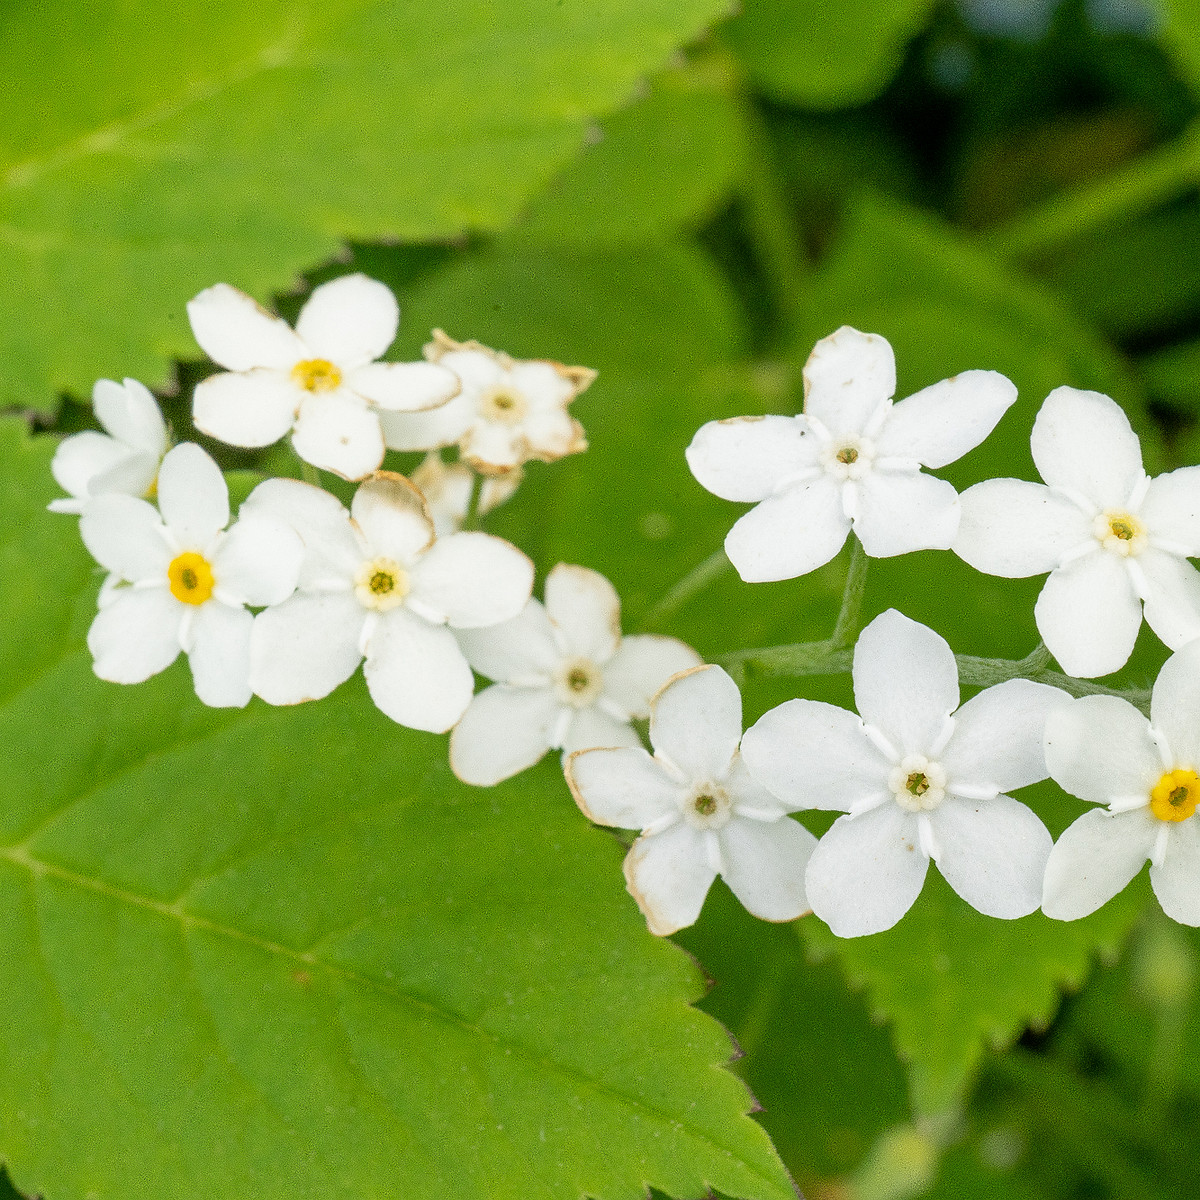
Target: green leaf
(283, 953)
(1174, 375)
(224, 142)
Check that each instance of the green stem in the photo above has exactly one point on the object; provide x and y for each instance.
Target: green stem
(845, 629)
(471, 519)
(310, 474)
(694, 582)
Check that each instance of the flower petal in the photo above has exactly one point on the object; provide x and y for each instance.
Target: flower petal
(305, 647)
(134, 475)
(814, 755)
(472, 580)
(236, 332)
(847, 378)
(416, 673)
(998, 736)
(1176, 881)
(131, 414)
(258, 561)
(331, 549)
(1175, 705)
(251, 409)
(791, 534)
(866, 871)
(1089, 615)
(549, 436)
(641, 666)
(1172, 600)
(125, 536)
(135, 635)
(1083, 441)
(669, 875)
(905, 681)
(696, 723)
(765, 864)
(504, 731)
(544, 385)
(441, 426)
(392, 516)
(746, 458)
(1094, 859)
(1099, 748)
(1171, 509)
(491, 447)
(81, 457)
(515, 649)
(338, 432)
(589, 729)
(585, 611)
(220, 655)
(1013, 528)
(192, 497)
(349, 321)
(478, 367)
(903, 511)
(939, 424)
(624, 787)
(993, 854)
(404, 387)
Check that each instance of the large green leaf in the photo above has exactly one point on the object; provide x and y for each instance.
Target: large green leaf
(282, 953)
(146, 156)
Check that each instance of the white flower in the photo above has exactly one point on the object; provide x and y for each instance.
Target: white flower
(320, 378)
(376, 584)
(124, 459)
(1104, 751)
(507, 413)
(1113, 539)
(566, 679)
(700, 811)
(189, 579)
(852, 460)
(447, 490)
(918, 780)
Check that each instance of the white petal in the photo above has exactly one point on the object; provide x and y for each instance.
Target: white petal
(131, 414)
(331, 549)
(349, 321)
(941, 423)
(1089, 615)
(234, 331)
(441, 426)
(814, 755)
(392, 516)
(589, 728)
(192, 496)
(748, 795)
(697, 723)
(302, 649)
(1175, 705)
(259, 560)
(550, 435)
(504, 731)
(404, 387)
(472, 580)
(901, 511)
(490, 446)
(81, 457)
(993, 854)
(998, 736)
(866, 871)
(1172, 599)
(1013, 528)
(668, 874)
(133, 475)
(543, 385)
(622, 787)
(220, 655)
(337, 432)
(1171, 509)
(1099, 747)
(640, 667)
(1094, 859)
(1176, 882)
(1083, 441)
(846, 379)
(905, 681)
(515, 649)
(135, 635)
(791, 534)
(125, 536)
(416, 673)
(765, 864)
(251, 409)
(585, 610)
(477, 367)
(746, 458)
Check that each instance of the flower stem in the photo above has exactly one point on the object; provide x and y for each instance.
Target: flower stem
(694, 582)
(471, 516)
(845, 630)
(310, 474)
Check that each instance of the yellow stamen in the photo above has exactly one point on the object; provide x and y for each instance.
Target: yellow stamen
(509, 408)
(381, 584)
(317, 375)
(191, 578)
(1175, 796)
(847, 454)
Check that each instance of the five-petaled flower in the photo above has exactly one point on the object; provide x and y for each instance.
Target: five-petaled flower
(320, 378)
(851, 460)
(186, 579)
(1101, 749)
(917, 779)
(1114, 540)
(700, 812)
(567, 679)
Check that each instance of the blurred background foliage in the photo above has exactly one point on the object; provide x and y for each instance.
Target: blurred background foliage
(1007, 184)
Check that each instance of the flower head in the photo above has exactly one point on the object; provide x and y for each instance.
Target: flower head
(1115, 541)
(566, 679)
(125, 458)
(919, 779)
(507, 412)
(320, 381)
(447, 490)
(700, 811)
(852, 460)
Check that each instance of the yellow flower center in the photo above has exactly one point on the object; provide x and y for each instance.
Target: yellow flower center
(847, 454)
(381, 584)
(507, 407)
(317, 375)
(1175, 796)
(191, 578)
(1120, 532)
(580, 681)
